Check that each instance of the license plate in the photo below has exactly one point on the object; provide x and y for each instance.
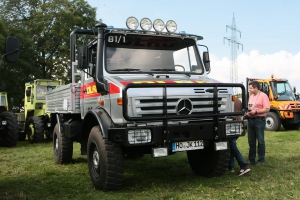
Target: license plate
(188, 145)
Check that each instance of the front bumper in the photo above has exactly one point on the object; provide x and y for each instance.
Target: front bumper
(164, 135)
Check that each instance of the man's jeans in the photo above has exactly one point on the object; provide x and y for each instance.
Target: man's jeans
(235, 153)
(256, 131)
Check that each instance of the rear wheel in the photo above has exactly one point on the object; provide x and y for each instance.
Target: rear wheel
(273, 122)
(10, 134)
(105, 161)
(62, 147)
(35, 130)
(208, 162)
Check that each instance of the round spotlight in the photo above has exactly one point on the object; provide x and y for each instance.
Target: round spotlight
(146, 24)
(158, 25)
(132, 23)
(171, 26)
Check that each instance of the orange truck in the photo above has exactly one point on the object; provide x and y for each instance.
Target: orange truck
(284, 107)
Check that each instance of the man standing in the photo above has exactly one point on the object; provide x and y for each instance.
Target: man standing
(258, 106)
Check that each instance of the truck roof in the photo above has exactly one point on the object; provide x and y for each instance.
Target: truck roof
(128, 31)
(267, 79)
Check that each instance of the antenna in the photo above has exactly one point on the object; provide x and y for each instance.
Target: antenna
(234, 46)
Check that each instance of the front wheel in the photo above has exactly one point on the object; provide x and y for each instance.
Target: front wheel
(35, 130)
(10, 134)
(105, 161)
(208, 162)
(273, 122)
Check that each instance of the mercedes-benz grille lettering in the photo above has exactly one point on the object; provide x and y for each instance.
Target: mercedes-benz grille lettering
(184, 107)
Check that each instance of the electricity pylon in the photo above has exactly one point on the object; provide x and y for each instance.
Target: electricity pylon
(234, 46)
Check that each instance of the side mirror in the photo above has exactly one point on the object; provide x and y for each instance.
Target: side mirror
(28, 92)
(83, 61)
(12, 49)
(206, 61)
(102, 87)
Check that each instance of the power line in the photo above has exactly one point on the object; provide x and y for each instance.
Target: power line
(234, 46)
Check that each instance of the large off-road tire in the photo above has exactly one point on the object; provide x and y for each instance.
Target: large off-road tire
(62, 147)
(291, 126)
(208, 162)
(273, 122)
(105, 161)
(10, 134)
(35, 130)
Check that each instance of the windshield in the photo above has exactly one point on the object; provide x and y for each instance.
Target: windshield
(282, 91)
(2, 100)
(151, 54)
(41, 91)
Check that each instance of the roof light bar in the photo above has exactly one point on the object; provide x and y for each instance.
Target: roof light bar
(146, 24)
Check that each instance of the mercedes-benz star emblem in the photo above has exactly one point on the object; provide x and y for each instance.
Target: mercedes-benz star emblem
(184, 107)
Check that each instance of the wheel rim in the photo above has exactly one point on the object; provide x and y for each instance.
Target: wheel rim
(269, 122)
(30, 131)
(96, 159)
(56, 146)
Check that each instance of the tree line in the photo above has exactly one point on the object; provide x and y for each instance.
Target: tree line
(43, 28)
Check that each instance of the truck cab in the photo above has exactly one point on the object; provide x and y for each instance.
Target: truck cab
(34, 122)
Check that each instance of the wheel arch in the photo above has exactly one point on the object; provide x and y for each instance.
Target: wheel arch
(94, 118)
(275, 110)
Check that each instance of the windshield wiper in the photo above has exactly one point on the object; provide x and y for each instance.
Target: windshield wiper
(164, 70)
(126, 69)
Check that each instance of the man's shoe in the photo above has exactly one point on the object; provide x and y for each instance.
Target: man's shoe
(259, 163)
(243, 171)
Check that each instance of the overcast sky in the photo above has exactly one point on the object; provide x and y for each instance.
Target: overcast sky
(270, 31)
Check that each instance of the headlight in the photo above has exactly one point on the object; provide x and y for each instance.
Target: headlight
(146, 24)
(138, 136)
(132, 23)
(171, 26)
(234, 129)
(158, 25)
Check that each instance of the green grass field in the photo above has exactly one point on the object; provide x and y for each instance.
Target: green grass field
(28, 171)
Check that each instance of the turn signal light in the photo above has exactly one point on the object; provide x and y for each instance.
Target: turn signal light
(120, 101)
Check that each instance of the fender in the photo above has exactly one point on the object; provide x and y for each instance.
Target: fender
(274, 109)
(97, 117)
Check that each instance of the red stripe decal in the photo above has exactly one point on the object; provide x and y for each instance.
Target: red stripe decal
(90, 91)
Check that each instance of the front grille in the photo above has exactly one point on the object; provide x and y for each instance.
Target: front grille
(295, 105)
(143, 106)
(155, 102)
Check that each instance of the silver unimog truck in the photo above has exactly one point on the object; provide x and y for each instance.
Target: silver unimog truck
(139, 91)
